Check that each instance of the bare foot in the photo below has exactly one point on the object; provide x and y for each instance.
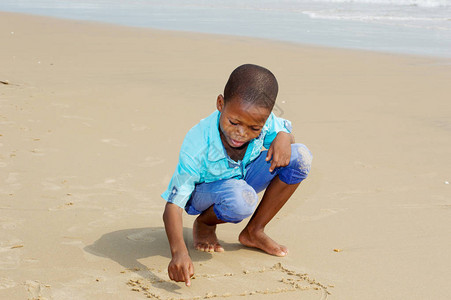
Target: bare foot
(260, 240)
(204, 237)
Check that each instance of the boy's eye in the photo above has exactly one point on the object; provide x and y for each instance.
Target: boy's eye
(233, 123)
(255, 129)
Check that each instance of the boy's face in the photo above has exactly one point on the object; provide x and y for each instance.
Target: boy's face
(240, 121)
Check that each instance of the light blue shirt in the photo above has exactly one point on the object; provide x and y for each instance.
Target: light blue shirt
(203, 157)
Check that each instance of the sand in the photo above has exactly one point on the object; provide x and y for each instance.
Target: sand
(91, 120)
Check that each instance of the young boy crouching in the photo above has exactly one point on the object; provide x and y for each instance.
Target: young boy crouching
(222, 167)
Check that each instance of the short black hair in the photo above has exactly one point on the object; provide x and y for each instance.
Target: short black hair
(253, 84)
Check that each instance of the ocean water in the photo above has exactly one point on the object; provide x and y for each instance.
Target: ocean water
(421, 27)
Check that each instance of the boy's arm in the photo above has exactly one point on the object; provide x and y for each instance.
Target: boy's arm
(280, 150)
(181, 267)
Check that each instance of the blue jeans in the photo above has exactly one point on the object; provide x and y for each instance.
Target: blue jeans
(236, 199)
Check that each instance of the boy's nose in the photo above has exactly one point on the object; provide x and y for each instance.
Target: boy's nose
(241, 131)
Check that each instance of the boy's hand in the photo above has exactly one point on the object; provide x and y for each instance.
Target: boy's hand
(181, 268)
(280, 150)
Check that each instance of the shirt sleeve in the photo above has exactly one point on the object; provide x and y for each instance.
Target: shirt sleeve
(274, 125)
(183, 181)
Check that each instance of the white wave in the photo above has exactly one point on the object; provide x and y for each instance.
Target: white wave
(356, 17)
(420, 3)
(436, 23)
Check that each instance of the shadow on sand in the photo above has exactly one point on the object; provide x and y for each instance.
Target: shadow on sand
(128, 246)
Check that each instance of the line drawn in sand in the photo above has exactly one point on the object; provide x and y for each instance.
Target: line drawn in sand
(141, 252)
(247, 283)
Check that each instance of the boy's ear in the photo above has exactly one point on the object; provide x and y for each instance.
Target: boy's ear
(220, 103)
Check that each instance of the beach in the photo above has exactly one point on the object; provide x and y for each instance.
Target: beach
(418, 27)
(92, 117)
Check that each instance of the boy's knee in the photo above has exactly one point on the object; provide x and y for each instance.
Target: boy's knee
(238, 204)
(299, 166)
(301, 158)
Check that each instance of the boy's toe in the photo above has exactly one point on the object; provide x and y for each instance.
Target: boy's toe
(201, 247)
(219, 248)
(209, 247)
(282, 251)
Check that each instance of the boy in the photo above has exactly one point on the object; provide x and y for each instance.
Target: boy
(222, 168)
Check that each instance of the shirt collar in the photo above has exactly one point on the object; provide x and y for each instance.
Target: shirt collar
(216, 149)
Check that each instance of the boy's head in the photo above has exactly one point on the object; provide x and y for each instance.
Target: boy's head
(252, 84)
(249, 97)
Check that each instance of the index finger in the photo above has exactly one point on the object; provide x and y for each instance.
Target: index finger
(187, 276)
(273, 165)
(269, 154)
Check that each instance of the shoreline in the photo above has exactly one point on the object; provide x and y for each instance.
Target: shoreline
(92, 117)
(239, 37)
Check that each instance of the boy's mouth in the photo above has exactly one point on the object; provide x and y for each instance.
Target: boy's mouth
(235, 143)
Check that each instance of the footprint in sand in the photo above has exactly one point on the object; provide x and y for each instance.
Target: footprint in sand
(6, 283)
(7, 123)
(60, 105)
(12, 181)
(324, 213)
(151, 161)
(77, 118)
(51, 184)
(9, 223)
(142, 236)
(84, 120)
(37, 152)
(12, 178)
(113, 142)
(36, 289)
(10, 253)
(139, 127)
(43, 151)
